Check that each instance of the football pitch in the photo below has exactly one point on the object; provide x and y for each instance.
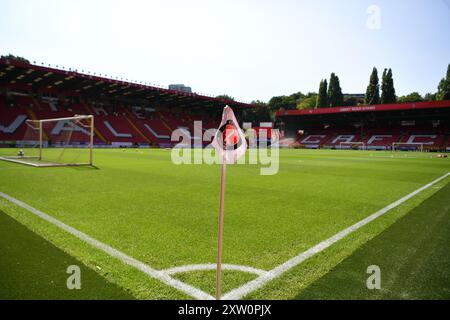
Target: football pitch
(148, 227)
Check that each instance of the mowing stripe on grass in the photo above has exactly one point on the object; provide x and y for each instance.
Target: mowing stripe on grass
(279, 270)
(160, 275)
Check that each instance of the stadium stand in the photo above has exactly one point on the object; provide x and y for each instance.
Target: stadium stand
(376, 127)
(126, 114)
(129, 114)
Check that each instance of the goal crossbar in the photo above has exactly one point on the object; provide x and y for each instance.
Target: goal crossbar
(77, 117)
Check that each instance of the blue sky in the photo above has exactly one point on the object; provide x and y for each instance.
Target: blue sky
(250, 49)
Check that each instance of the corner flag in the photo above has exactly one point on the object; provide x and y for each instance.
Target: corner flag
(230, 144)
(229, 140)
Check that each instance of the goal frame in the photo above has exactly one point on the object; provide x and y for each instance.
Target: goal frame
(420, 145)
(40, 122)
(364, 147)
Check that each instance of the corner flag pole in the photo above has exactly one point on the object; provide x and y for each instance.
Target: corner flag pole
(219, 244)
(230, 143)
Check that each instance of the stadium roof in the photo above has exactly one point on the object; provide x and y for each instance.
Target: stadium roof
(369, 108)
(20, 74)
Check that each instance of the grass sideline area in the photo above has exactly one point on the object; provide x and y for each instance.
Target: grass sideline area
(32, 268)
(165, 215)
(412, 255)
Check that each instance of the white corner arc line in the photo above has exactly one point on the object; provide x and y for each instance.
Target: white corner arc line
(159, 275)
(213, 266)
(251, 286)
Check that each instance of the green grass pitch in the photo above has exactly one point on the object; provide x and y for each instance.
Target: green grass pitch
(40, 273)
(165, 215)
(412, 255)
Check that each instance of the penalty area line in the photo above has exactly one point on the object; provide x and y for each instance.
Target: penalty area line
(156, 274)
(257, 283)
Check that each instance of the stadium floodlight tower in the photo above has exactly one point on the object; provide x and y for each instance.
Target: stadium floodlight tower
(55, 142)
(361, 145)
(398, 146)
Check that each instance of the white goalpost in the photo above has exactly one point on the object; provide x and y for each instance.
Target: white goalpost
(55, 142)
(403, 146)
(360, 145)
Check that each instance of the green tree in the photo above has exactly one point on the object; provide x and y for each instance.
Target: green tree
(322, 98)
(259, 113)
(13, 57)
(225, 97)
(373, 89)
(275, 103)
(412, 97)
(429, 96)
(335, 96)
(384, 85)
(286, 102)
(308, 102)
(387, 87)
(444, 87)
(350, 101)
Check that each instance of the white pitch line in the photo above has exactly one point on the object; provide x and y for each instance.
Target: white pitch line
(213, 266)
(159, 275)
(238, 293)
(251, 286)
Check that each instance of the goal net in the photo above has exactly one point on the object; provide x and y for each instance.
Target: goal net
(352, 145)
(402, 146)
(54, 142)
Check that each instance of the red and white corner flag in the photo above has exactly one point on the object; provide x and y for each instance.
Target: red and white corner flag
(229, 140)
(230, 144)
